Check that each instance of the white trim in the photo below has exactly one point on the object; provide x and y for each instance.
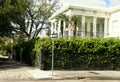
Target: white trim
(87, 8)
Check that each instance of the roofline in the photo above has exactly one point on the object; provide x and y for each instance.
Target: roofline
(103, 9)
(63, 9)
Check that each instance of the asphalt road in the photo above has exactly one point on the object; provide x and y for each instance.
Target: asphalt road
(60, 80)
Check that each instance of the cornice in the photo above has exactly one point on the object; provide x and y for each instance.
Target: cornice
(108, 10)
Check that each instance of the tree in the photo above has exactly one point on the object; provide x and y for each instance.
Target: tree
(36, 17)
(25, 17)
(62, 18)
(9, 10)
(74, 21)
(4, 41)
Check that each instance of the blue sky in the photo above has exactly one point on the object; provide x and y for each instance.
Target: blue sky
(112, 2)
(107, 2)
(99, 3)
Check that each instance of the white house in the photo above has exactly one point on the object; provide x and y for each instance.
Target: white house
(95, 21)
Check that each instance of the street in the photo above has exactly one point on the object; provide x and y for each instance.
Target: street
(59, 81)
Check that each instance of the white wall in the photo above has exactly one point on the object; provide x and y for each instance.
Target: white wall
(114, 24)
(90, 13)
(43, 33)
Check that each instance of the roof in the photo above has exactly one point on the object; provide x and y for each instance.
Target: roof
(100, 9)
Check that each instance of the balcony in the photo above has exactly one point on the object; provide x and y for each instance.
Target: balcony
(86, 34)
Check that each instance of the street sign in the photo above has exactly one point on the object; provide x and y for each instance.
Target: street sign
(55, 35)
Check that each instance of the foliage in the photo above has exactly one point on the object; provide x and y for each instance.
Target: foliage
(88, 53)
(24, 51)
(74, 21)
(61, 17)
(9, 11)
(25, 18)
(37, 16)
(4, 41)
(79, 53)
(75, 18)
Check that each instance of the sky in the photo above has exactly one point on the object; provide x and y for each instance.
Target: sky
(97, 3)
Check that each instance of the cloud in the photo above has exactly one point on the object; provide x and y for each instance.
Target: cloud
(97, 3)
(114, 2)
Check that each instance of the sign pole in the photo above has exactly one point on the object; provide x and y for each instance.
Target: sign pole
(53, 36)
(52, 55)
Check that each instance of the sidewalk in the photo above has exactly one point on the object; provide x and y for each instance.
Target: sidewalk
(93, 75)
(76, 75)
(30, 73)
(16, 70)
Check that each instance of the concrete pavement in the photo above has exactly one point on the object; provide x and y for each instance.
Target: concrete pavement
(96, 75)
(59, 80)
(25, 72)
(15, 70)
(76, 75)
(12, 70)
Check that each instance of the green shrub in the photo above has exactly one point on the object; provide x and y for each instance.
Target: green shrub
(87, 53)
(24, 51)
(79, 53)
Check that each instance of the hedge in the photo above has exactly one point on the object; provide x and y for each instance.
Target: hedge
(23, 50)
(79, 53)
(86, 53)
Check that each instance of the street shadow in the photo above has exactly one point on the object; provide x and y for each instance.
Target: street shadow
(94, 73)
(6, 64)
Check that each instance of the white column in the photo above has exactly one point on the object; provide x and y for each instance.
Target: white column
(83, 26)
(94, 26)
(59, 25)
(105, 27)
(64, 25)
(70, 29)
(69, 33)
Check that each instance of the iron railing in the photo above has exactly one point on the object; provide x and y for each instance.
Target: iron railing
(86, 34)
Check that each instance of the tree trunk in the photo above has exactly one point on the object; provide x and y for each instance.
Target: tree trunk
(74, 28)
(61, 28)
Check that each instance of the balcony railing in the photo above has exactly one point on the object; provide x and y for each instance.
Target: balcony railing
(86, 34)
(66, 34)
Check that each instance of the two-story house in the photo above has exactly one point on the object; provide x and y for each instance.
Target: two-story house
(94, 22)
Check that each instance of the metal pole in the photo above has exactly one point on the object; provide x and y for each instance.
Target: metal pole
(52, 55)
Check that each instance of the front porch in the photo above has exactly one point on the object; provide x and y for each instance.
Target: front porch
(88, 22)
(86, 27)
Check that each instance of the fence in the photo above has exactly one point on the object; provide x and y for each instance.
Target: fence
(86, 34)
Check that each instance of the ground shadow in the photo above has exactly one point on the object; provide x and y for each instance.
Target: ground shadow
(6, 64)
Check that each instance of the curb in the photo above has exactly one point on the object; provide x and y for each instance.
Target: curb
(89, 78)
